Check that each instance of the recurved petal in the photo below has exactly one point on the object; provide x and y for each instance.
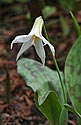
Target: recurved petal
(49, 44)
(24, 47)
(40, 50)
(21, 39)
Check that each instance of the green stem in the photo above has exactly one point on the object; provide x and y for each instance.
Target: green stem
(62, 85)
(56, 65)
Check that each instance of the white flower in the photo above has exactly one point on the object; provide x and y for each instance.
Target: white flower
(34, 38)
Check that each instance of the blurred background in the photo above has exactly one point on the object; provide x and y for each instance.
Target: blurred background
(16, 18)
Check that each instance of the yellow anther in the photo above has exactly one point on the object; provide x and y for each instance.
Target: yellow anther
(34, 38)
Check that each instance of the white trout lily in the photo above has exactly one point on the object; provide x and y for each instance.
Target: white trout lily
(34, 38)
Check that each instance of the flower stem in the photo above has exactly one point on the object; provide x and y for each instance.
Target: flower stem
(62, 85)
(56, 65)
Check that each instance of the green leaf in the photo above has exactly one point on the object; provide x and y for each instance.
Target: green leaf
(51, 108)
(76, 25)
(48, 10)
(64, 25)
(71, 109)
(39, 78)
(73, 75)
(28, 16)
(67, 5)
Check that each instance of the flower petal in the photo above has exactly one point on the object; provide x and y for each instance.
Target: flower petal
(24, 47)
(40, 50)
(37, 27)
(50, 45)
(20, 39)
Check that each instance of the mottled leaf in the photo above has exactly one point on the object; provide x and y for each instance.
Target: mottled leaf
(40, 78)
(73, 75)
(43, 80)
